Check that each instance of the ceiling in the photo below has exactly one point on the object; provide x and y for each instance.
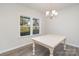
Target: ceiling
(43, 7)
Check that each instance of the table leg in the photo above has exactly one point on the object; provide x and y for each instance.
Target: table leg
(64, 44)
(51, 51)
(33, 48)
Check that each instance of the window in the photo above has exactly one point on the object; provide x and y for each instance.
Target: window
(28, 26)
(35, 26)
(24, 25)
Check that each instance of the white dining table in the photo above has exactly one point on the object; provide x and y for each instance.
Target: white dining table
(49, 41)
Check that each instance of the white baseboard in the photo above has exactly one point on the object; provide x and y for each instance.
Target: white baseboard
(71, 44)
(15, 47)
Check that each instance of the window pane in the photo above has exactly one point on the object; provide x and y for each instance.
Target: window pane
(35, 30)
(35, 22)
(25, 31)
(24, 26)
(24, 20)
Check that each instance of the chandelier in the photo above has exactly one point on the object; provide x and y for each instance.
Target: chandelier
(51, 14)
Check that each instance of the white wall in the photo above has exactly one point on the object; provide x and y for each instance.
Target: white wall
(10, 28)
(66, 23)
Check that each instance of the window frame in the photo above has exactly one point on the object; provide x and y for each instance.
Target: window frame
(31, 26)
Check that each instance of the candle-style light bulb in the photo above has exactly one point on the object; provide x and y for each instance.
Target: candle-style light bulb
(47, 13)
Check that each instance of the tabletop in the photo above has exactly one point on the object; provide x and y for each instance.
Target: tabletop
(50, 40)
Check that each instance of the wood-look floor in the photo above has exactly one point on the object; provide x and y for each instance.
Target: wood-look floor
(42, 51)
